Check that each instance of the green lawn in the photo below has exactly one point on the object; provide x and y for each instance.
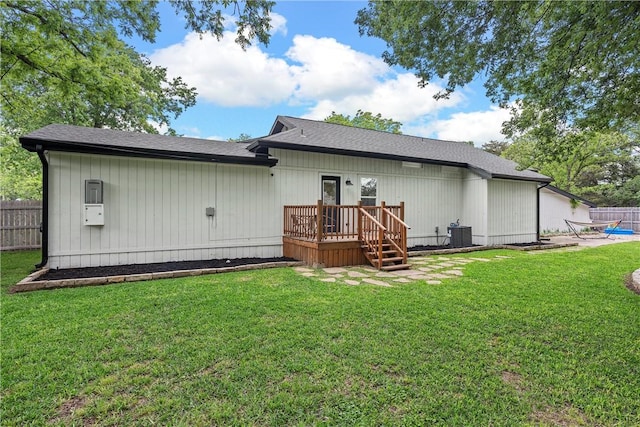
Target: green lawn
(545, 338)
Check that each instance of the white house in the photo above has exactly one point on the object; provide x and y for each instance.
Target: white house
(557, 205)
(113, 197)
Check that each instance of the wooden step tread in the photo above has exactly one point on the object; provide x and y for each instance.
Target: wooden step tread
(384, 245)
(395, 267)
(388, 252)
(388, 260)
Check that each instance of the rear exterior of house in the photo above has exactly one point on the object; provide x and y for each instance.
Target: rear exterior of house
(499, 211)
(174, 199)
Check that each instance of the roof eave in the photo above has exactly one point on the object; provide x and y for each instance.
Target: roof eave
(351, 153)
(571, 196)
(30, 144)
(522, 178)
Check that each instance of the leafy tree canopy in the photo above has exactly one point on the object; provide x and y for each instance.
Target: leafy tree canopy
(568, 63)
(242, 137)
(21, 174)
(366, 120)
(495, 147)
(602, 167)
(63, 61)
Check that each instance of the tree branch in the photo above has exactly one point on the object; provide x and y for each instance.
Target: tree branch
(44, 21)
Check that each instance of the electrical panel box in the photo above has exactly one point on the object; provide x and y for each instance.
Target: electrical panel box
(460, 236)
(93, 202)
(93, 214)
(93, 191)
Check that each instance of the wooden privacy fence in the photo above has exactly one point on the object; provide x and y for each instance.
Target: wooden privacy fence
(630, 216)
(20, 224)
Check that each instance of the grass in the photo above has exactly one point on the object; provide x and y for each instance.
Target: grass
(550, 338)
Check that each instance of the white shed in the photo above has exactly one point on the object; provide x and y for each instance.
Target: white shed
(556, 205)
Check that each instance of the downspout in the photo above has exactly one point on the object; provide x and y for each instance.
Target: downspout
(540, 187)
(44, 228)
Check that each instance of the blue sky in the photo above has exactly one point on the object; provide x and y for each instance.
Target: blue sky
(316, 63)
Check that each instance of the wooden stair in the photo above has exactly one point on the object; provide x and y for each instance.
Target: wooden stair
(383, 237)
(392, 260)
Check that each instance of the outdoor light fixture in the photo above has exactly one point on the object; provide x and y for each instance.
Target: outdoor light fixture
(348, 181)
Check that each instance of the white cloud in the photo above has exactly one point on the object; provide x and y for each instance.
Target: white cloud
(477, 126)
(328, 69)
(320, 73)
(398, 98)
(226, 75)
(162, 129)
(278, 24)
(216, 138)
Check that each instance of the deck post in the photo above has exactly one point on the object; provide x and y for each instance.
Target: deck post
(383, 214)
(359, 221)
(380, 240)
(403, 235)
(383, 221)
(319, 222)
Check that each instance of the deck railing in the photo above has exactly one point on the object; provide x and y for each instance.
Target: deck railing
(335, 222)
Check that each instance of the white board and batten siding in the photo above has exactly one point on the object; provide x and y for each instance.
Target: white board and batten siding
(511, 212)
(474, 212)
(432, 193)
(155, 211)
(499, 211)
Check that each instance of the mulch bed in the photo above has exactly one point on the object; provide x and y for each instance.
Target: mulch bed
(433, 248)
(526, 245)
(427, 248)
(119, 270)
(441, 247)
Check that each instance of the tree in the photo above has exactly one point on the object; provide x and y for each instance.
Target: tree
(598, 166)
(567, 64)
(495, 147)
(242, 137)
(64, 62)
(366, 120)
(21, 176)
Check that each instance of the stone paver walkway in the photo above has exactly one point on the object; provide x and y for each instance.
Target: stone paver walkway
(431, 269)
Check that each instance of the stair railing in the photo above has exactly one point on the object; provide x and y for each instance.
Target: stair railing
(371, 232)
(397, 230)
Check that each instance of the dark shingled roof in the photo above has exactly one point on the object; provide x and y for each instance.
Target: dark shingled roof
(79, 139)
(321, 137)
(570, 196)
(288, 133)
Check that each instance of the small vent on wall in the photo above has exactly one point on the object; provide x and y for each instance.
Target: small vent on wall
(413, 165)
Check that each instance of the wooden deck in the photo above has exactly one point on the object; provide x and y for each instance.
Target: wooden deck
(335, 253)
(344, 235)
